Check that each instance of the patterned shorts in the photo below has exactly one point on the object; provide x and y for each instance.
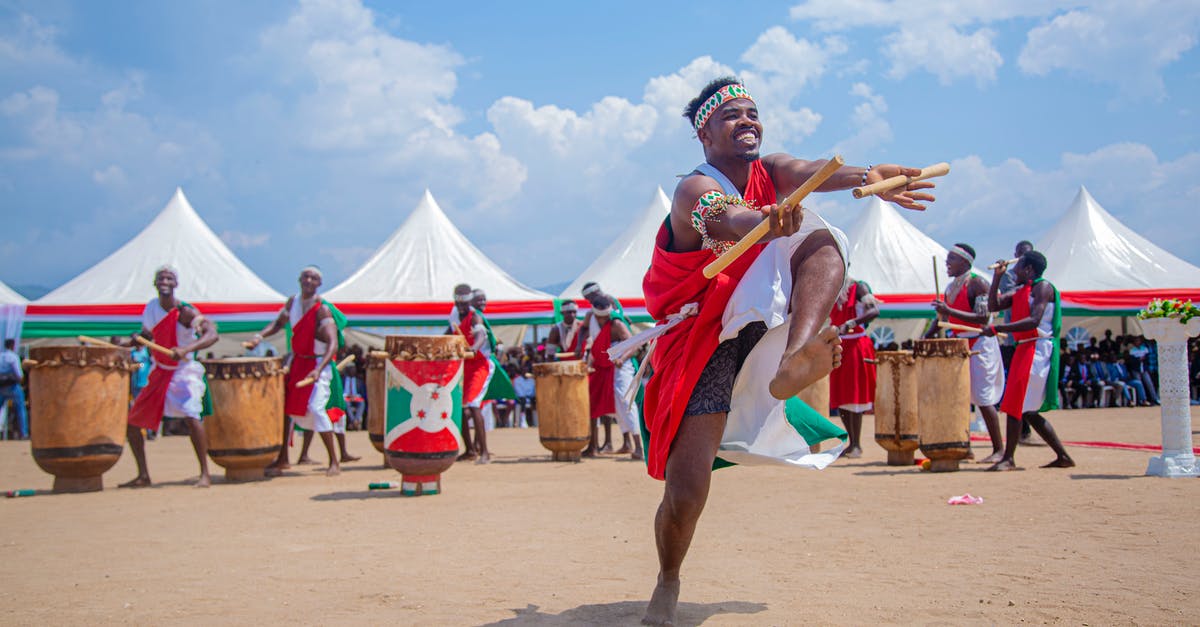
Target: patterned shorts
(715, 388)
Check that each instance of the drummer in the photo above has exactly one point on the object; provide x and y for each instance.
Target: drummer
(564, 335)
(314, 343)
(1032, 377)
(176, 385)
(477, 371)
(966, 303)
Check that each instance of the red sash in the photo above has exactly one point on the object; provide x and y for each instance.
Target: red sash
(147, 410)
(674, 280)
(476, 369)
(304, 359)
(962, 302)
(1021, 365)
(601, 395)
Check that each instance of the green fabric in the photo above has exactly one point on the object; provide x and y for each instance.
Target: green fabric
(1050, 402)
(813, 426)
(500, 387)
(337, 398)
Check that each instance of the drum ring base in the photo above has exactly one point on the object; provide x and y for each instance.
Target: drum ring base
(67, 485)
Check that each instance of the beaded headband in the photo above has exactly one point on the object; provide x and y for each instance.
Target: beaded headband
(729, 92)
(962, 252)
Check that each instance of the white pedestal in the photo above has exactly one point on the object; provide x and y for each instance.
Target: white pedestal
(1177, 459)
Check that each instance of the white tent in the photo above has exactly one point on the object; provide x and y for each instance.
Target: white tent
(1089, 249)
(620, 268)
(1104, 267)
(208, 271)
(12, 313)
(897, 260)
(423, 260)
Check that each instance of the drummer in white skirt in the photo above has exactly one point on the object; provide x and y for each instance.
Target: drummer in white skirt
(966, 302)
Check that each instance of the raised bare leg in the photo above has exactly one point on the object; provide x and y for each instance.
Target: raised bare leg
(813, 349)
(688, 474)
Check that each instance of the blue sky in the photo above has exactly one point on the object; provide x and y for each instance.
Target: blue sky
(305, 132)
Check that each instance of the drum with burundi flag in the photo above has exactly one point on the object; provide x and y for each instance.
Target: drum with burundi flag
(423, 424)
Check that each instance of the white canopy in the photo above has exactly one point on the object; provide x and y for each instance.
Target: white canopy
(1088, 249)
(620, 268)
(208, 271)
(8, 296)
(892, 255)
(422, 262)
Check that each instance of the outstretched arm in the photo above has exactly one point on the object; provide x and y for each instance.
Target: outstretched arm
(789, 172)
(275, 326)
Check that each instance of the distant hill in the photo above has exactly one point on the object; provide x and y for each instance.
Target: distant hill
(34, 292)
(554, 288)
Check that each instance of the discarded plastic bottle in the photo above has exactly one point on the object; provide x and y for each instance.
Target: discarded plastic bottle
(15, 493)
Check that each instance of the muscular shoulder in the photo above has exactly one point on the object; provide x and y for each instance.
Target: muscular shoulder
(324, 311)
(689, 191)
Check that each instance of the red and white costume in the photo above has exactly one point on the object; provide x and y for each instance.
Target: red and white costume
(987, 367)
(601, 393)
(1032, 361)
(852, 384)
(175, 388)
(477, 371)
(307, 405)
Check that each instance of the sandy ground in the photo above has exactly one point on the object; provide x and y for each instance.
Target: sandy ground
(526, 541)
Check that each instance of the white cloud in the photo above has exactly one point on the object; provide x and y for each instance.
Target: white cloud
(945, 52)
(613, 126)
(242, 240)
(872, 128)
(31, 43)
(1125, 44)
(112, 175)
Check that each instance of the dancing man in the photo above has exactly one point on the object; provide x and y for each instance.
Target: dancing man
(966, 302)
(477, 373)
(790, 284)
(1032, 376)
(610, 381)
(176, 385)
(312, 387)
(852, 384)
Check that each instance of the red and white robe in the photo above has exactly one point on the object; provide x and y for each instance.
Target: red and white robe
(987, 367)
(852, 384)
(477, 371)
(307, 405)
(174, 388)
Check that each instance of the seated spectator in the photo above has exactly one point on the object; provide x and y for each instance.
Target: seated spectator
(1139, 365)
(1115, 378)
(1070, 383)
(1101, 382)
(526, 399)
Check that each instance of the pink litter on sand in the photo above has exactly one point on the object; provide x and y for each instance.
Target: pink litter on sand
(965, 499)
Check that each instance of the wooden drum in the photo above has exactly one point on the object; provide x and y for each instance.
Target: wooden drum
(563, 412)
(944, 401)
(817, 397)
(377, 399)
(896, 426)
(423, 408)
(244, 434)
(79, 405)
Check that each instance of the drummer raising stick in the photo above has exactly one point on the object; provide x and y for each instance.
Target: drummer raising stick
(735, 195)
(176, 384)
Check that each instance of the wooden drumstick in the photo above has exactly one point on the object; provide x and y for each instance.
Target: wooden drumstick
(96, 341)
(962, 328)
(307, 381)
(158, 348)
(937, 169)
(345, 362)
(764, 227)
(937, 288)
(1007, 263)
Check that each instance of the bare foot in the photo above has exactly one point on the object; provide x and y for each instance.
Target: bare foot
(853, 453)
(136, 482)
(467, 456)
(993, 458)
(333, 470)
(306, 461)
(801, 368)
(661, 610)
(624, 449)
(1002, 465)
(346, 457)
(203, 482)
(606, 449)
(1061, 462)
(637, 455)
(485, 458)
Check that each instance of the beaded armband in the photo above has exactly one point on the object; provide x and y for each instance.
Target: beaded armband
(710, 206)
